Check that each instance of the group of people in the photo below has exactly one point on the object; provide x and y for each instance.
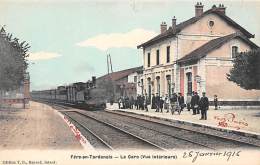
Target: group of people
(198, 104)
(173, 103)
(130, 102)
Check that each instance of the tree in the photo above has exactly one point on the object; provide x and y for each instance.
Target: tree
(13, 63)
(246, 70)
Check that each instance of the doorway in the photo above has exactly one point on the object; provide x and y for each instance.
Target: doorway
(189, 82)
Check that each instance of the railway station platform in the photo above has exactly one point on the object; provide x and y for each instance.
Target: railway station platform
(36, 127)
(242, 122)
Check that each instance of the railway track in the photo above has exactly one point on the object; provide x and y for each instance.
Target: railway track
(176, 137)
(158, 135)
(112, 137)
(92, 137)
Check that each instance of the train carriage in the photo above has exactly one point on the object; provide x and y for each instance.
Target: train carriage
(80, 95)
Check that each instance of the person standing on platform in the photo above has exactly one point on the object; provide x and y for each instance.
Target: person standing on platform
(166, 103)
(174, 103)
(135, 102)
(188, 101)
(195, 103)
(161, 103)
(138, 101)
(142, 102)
(153, 102)
(132, 102)
(127, 102)
(157, 102)
(216, 102)
(120, 102)
(204, 106)
(181, 101)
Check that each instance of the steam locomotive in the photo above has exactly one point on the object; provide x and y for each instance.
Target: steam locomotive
(79, 95)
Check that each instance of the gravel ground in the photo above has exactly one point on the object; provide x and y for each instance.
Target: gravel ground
(38, 127)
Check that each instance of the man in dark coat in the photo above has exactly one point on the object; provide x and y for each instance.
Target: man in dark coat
(157, 102)
(127, 102)
(204, 106)
(161, 103)
(153, 102)
(135, 102)
(181, 101)
(138, 101)
(142, 102)
(195, 103)
(132, 100)
(174, 103)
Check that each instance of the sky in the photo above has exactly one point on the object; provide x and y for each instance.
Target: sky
(70, 39)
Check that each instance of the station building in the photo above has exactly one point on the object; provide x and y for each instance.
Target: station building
(196, 55)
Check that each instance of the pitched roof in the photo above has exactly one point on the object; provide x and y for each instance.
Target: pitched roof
(172, 32)
(212, 45)
(120, 74)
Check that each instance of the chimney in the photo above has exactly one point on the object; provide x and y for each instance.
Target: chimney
(198, 9)
(163, 27)
(173, 23)
(221, 8)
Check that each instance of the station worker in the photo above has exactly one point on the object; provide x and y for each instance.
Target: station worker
(204, 106)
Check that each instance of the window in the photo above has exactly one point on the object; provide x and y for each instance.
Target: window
(234, 51)
(148, 59)
(157, 57)
(211, 24)
(168, 54)
(135, 79)
(189, 82)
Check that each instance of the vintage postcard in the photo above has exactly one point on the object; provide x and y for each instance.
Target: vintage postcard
(129, 82)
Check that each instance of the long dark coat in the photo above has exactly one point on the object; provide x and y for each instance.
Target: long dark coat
(195, 100)
(204, 103)
(153, 102)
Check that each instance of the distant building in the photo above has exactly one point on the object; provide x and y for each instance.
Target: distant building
(196, 55)
(136, 79)
(123, 82)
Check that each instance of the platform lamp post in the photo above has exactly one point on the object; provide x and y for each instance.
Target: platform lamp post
(198, 80)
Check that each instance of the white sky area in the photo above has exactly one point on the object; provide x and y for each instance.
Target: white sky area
(70, 39)
(42, 56)
(118, 40)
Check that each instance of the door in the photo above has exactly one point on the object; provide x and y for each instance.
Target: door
(189, 82)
